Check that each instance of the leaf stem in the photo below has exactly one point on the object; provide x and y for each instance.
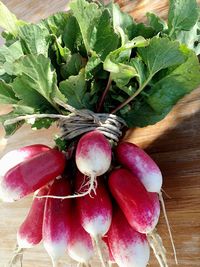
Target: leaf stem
(104, 94)
(133, 96)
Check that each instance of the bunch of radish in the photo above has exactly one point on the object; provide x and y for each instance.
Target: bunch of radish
(102, 193)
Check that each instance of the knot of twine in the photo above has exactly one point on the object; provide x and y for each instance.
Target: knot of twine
(80, 121)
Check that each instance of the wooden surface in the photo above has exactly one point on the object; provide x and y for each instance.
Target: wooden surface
(174, 143)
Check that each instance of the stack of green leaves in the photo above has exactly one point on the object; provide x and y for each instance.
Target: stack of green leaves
(74, 56)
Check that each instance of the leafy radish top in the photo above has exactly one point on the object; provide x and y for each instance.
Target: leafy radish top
(73, 56)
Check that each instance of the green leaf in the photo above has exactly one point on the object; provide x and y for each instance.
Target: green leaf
(72, 36)
(161, 54)
(185, 78)
(117, 62)
(141, 29)
(156, 22)
(191, 38)
(8, 55)
(36, 81)
(183, 15)
(73, 66)
(42, 123)
(7, 95)
(74, 89)
(87, 15)
(8, 21)
(120, 19)
(140, 67)
(56, 23)
(106, 39)
(34, 39)
(142, 115)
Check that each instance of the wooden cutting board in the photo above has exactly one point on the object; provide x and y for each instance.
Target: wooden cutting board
(174, 143)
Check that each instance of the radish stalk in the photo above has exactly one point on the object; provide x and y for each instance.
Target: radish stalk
(56, 224)
(95, 212)
(28, 176)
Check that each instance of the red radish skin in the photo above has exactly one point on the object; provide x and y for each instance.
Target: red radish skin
(56, 224)
(140, 164)
(140, 207)
(28, 176)
(93, 156)
(14, 157)
(95, 212)
(80, 246)
(29, 233)
(129, 248)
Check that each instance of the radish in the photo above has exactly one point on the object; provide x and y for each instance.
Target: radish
(129, 248)
(140, 208)
(140, 164)
(80, 246)
(56, 224)
(93, 157)
(31, 175)
(95, 212)
(29, 233)
(14, 157)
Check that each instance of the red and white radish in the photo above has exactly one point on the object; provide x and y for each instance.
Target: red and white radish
(14, 157)
(129, 248)
(80, 247)
(141, 208)
(32, 174)
(56, 224)
(29, 233)
(95, 212)
(93, 157)
(141, 165)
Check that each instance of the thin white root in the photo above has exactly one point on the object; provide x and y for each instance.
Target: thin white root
(166, 194)
(156, 244)
(17, 256)
(168, 226)
(54, 263)
(98, 246)
(88, 192)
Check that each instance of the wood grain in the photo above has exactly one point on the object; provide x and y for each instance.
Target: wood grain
(174, 143)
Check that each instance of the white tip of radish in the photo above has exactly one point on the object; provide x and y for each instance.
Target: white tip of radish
(56, 249)
(97, 226)
(23, 243)
(93, 154)
(80, 252)
(8, 194)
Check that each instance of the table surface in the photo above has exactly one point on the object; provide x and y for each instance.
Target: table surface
(174, 143)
